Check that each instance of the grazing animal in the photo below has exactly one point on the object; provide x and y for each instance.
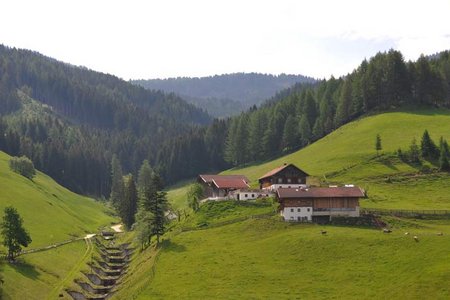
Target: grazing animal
(416, 238)
(386, 230)
(323, 232)
(406, 233)
(440, 233)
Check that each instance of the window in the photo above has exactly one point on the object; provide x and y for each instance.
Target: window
(309, 209)
(299, 210)
(289, 180)
(280, 180)
(246, 195)
(253, 195)
(299, 180)
(292, 210)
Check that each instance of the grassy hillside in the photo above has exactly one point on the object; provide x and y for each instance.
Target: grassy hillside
(348, 156)
(269, 259)
(51, 214)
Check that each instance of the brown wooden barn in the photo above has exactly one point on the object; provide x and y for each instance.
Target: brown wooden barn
(319, 203)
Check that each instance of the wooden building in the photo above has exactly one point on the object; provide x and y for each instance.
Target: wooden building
(286, 176)
(218, 187)
(319, 204)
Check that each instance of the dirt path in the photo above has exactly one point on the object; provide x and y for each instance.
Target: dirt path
(117, 228)
(76, 268)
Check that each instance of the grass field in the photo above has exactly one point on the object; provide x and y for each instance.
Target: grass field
(268, 259)
(51, 214)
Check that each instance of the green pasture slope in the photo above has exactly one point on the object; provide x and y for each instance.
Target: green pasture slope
(269, 259)
(51, 214)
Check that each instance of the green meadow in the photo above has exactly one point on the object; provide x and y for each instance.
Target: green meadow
(51, 214)
(269, 259)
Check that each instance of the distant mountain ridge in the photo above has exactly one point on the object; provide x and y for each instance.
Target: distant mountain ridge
(228, 94)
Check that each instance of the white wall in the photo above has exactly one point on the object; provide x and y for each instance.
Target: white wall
(249, 195)
(275, 187)
(293, 213)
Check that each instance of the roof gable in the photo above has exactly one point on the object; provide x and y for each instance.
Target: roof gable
(281, 168)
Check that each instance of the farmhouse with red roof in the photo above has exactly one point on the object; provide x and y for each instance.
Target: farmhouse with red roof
(220, 186)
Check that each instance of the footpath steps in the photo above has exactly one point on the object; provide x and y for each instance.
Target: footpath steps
(105, 271)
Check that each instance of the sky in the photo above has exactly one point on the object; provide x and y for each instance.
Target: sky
(171, 38)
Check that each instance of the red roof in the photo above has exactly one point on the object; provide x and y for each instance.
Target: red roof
(276, 170)
(210, 178)
(333, 192)
(227, 183)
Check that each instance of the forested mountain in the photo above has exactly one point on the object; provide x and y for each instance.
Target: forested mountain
(70, 120)
(226, 95)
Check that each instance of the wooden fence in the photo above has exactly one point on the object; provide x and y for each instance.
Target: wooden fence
(408, 213)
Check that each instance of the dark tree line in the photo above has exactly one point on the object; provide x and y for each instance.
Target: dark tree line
(384, 82)
(428, 150)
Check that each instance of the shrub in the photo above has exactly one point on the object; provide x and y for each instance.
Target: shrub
(22, 165)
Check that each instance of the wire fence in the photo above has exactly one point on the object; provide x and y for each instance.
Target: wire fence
(411, 213)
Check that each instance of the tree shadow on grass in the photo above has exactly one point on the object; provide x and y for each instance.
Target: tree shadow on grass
(25, 269)
(168, 245)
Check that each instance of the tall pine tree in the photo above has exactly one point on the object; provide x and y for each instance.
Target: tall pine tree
(117, 187)
(128, 205)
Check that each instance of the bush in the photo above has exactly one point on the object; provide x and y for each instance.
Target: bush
(22, 165)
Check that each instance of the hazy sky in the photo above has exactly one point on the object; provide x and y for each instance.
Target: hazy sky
(169, 38)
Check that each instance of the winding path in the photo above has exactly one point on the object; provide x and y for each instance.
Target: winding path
(76, 268)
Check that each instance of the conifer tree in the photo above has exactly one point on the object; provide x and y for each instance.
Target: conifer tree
(444, 164)
(378, 144)
(14, 234)
(117, 187)
(144, 216)
(159, 206)
(428, 147)
(304, 131)
(290, 133)
(128, 205)
(344, 106)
